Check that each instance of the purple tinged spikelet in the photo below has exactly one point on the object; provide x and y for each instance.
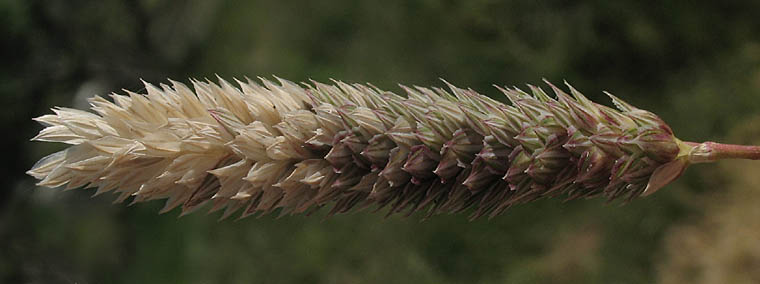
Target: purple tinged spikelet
(264, 146)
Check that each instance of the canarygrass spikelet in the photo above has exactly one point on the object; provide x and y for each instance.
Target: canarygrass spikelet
(259, 147)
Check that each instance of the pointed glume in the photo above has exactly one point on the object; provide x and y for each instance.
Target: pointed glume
(261, 147)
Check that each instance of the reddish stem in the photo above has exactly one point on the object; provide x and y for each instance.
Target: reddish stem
(710, 152)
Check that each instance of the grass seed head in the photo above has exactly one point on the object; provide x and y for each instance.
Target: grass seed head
(261, 147)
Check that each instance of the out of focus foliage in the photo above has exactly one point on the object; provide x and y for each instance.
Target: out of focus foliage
(696, 65)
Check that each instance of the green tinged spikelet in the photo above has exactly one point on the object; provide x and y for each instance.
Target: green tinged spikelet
(260, 147)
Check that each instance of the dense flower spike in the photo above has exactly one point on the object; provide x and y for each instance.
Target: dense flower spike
(268, 146)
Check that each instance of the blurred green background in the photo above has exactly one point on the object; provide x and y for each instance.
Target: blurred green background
(696, 65)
